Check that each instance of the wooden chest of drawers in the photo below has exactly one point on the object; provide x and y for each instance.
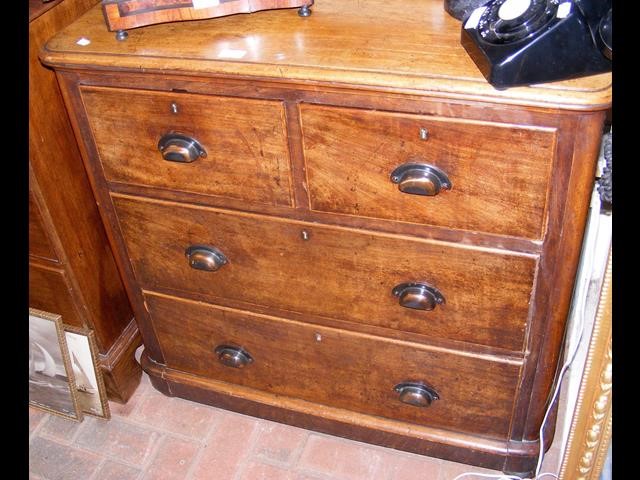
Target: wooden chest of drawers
(334, 222)
(72, 271)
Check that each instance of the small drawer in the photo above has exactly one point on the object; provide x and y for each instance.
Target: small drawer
(226, 147)
(337, 368)
(50, 291)
(431, 288)
(39, 242)
(468, 175)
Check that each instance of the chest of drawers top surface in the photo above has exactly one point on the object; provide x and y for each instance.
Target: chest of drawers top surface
(401, 45)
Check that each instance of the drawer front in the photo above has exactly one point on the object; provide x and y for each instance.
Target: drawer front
(498, 174)
(39, 243)
(50, 291)
(245, 141)
(334, 367)
(330, 272)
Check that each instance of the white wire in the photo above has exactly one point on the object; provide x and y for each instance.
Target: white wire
(560, 377)
(502, 477)
(580, 315)
(537, 475)
(490, 475)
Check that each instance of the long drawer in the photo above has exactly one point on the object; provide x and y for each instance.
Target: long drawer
(337, 368)
(244, 141)
(480, 176)
(330, 272)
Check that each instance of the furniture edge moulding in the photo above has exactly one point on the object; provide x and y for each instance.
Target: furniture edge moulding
(427, 87)
(567, 244)
(69, 87)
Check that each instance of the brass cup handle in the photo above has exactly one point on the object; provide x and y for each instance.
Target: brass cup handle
(420, 179)
(201, 257)
(419, 296)
(416, 394)
(234, 357)
(176, 147)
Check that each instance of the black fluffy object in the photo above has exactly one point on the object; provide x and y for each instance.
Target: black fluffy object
(605, 184)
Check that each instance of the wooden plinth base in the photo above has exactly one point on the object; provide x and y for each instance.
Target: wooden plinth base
(120, 370)
(453, 446)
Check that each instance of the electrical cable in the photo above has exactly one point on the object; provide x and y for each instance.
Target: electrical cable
(503, 476)
(580, 315)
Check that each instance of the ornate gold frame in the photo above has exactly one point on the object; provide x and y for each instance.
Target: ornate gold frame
(590, 433)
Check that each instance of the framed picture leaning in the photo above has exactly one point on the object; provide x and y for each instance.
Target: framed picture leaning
(51, 379)
(89, 384)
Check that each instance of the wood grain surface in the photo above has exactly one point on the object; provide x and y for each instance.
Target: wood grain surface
(337, 368)
(49, 291)
(247, 153)
(40, 244)
(81, 281)
(38, 7)
(499, 173)
(402, 46)
(338, 273)
(348, 87)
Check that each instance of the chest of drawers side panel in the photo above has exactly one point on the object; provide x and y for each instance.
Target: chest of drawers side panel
(49, 291)
(573, 180)
(40, 245)
(64, 189)
(82, 280)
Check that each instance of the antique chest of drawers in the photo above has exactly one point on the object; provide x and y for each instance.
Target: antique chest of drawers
(335, 222)
(72, 271)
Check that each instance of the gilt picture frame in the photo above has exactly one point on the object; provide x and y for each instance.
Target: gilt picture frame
(51, 379)
(89, 383)
(592, 420)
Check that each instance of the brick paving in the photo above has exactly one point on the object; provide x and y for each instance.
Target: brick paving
(154, 437)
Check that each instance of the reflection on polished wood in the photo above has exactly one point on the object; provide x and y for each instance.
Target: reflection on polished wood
(408, 46)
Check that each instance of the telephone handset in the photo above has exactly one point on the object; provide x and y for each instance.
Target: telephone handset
(522, 42)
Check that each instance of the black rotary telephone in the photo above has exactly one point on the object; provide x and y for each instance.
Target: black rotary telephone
(522, 42)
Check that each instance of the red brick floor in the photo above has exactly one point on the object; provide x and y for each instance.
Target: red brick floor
(161, 438)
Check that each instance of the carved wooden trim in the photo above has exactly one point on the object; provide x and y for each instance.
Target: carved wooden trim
(126, 14)
(590, 432)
